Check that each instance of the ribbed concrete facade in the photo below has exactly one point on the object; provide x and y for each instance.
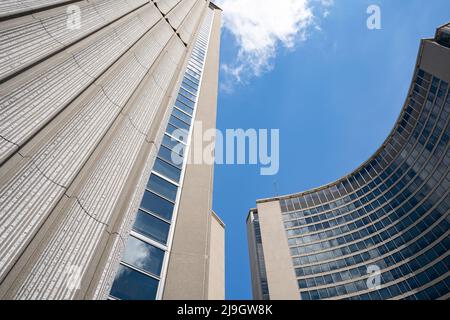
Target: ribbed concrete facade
(381, 232)
(84, 108)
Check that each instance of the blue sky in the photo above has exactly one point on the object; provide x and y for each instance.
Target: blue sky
(333, 87)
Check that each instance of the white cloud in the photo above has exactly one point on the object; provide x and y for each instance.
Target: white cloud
(260, 26)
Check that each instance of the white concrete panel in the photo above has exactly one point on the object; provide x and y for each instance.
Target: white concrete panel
(24, 204)
(188, 27)
(179, 13)
(12, 7)
(123, 80)
(166, 5)
(152, 43)
(30, 99)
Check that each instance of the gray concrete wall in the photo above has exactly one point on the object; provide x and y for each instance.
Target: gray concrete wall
(279, 269)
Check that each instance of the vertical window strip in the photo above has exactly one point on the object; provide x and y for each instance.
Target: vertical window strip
(159, 179)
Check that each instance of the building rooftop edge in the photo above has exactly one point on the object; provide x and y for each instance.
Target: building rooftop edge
(216, 216)
(215, 6)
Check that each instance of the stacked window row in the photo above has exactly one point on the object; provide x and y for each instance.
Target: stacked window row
(422, 285)
(405, 181)
(393, 213)
(140, 269)
(443, 36)
(359, 183)
(394, 262)
(378, 186)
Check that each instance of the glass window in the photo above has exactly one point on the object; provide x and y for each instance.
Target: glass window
(132, 285)
(178, 123)
(191, 78)
(193, 73)
(181, 115)
(167, 170)
(184, 107)
(187, 94)
(174, 145)
(157, 205)
(180, 134)
(151, 227)
(171, 157)
(305, 295)
(143, 256)
(186, 101)
(190, 85)
(162, 187)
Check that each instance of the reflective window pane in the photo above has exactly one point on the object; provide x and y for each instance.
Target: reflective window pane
(157, 205)
(187, 93)
(162, 187)
(133, 285)
(190, 82)
(190, 85)
(171, 157)
(191, 78)
(181, 115)
(143, 256)
(167, 170)
(174, 145)
(151, 227)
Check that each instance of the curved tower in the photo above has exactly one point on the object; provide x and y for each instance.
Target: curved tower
(382, 231)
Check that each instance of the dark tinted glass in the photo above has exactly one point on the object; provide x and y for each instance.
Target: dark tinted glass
(162, 187)
(132, 285)
(180, 134)
(174, 145)
(184, 107)
(167, 170)
(157, 205)
(181, 115)
(170, 156)
(178, 123)
(186, 101)
(151, 227)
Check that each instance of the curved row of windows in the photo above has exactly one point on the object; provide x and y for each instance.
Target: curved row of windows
(355, 267)
(377, 189)
(391, 215)
(384, 227)
(393, 238)
(367, 214)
